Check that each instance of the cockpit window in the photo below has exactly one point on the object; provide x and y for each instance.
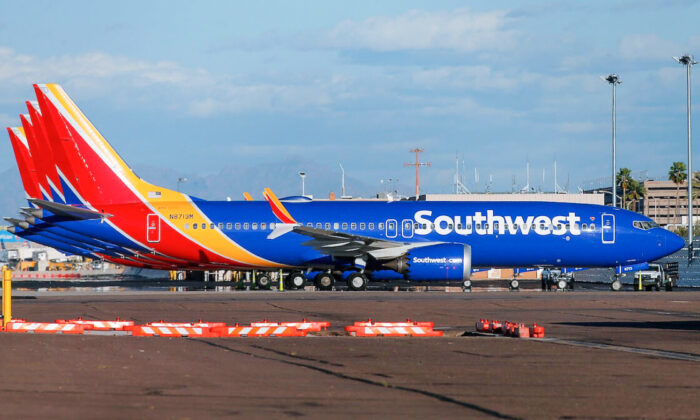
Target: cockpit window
(645, 225)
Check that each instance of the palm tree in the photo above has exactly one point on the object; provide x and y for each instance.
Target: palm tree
(677, 174)
(623, 180)
(637, 191)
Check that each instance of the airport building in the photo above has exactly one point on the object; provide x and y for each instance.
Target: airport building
(665, 202)
(549, 197)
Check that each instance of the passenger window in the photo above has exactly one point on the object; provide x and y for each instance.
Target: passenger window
(245, 226)
(194, 226)
(318, 226)
(345, 226)
(362, 226)
(353, 226)
(371, 226)
(272, 226)
(187, 225)
(328, 226)
(204, 225)
(310, 224)
(221, 226)
(584, 227)
(228, 226)
(381, 226)
(449, 226)
(254, 226)
(336, 226)
(238, 226)
(263, 226)
(592, 227)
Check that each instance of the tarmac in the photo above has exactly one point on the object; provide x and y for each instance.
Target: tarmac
(605, 355)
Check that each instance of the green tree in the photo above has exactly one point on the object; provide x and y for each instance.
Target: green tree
(677, 173)
(624, 177)
(636, 192)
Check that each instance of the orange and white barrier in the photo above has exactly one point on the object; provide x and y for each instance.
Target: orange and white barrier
(413, 331)
(88, 324)
(198, 324)
(55, 275)
(510, 329)
(392, 329)
(150, 331)
(483, 325)
(407, 323)
(311, 326)
(537, 331)
(43, 327)
(251, 331)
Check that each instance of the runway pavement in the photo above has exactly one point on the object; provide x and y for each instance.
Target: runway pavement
(606, 355)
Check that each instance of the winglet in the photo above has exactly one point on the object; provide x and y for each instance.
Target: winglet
(277, 207)
(247, 196)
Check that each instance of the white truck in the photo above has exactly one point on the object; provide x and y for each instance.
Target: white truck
(656, 276)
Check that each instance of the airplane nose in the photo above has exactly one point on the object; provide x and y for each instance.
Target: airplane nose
(673, 242)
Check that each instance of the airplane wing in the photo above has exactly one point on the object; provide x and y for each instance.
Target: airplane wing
(340, 244)
(337, 244)
(72, 212)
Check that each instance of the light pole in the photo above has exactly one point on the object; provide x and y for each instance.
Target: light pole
(607, 192)
(687, 61)
(303, 176)
(180, 181)
(614, 80)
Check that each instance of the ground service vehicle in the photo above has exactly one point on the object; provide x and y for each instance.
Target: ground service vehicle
(656, 276)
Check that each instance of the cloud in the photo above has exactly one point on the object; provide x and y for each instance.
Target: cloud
(470, 77)
(573, 127)
(194, 91)
(6, 120)
(647, 47)
(460, 29)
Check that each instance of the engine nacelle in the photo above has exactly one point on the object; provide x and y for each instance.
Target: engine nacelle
(442, 262)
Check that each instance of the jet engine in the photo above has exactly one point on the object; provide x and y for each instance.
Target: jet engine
(441, 262)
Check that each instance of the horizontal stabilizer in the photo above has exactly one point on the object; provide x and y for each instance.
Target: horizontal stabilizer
(281, 229)
(72, 212)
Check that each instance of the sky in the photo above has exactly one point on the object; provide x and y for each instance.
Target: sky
(195, 87)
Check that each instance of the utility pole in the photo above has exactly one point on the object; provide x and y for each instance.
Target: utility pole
(342, 177)
(614, 80)
(687, 61)
(418, 164)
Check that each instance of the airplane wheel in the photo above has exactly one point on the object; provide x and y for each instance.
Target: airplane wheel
(514, 285)
(616, 285)
(357, 281)
(561, 284)
(263, 281)
(296, 280)
(669, 287)
(324, 281)
(467, 285)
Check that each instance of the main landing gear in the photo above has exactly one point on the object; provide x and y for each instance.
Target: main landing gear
(616, 285)
(357, 281)
(296, 280)
(324, 281)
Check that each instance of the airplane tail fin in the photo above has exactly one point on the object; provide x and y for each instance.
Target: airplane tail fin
(88, 167)
(25, 164)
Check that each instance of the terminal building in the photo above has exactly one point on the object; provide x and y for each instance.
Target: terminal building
(665, 202)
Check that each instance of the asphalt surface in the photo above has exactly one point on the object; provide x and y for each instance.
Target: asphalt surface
(606, 355)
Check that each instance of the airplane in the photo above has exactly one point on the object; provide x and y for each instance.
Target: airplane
(85, 198)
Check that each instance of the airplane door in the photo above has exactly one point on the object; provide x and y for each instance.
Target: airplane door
(153, 228)
(608, 228)
(407, 228)
(391, 228)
